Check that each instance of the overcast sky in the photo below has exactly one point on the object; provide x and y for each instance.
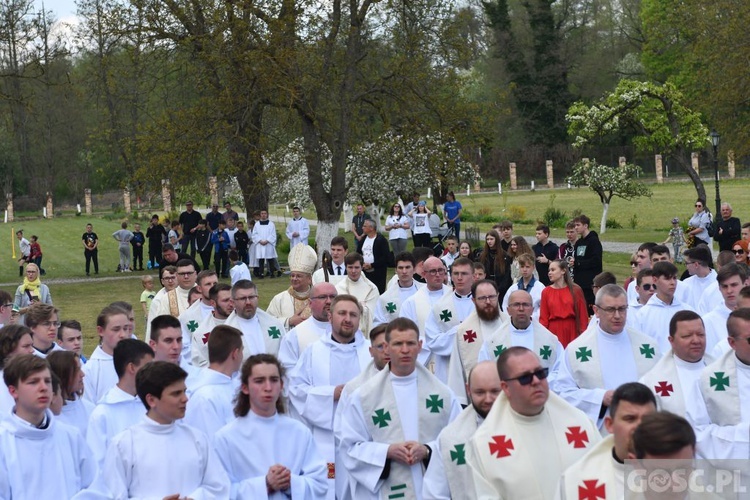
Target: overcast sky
(63, 9)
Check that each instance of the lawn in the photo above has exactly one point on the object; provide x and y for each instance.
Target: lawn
(83, 298)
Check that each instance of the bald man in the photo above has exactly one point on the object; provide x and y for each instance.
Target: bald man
(448, 475)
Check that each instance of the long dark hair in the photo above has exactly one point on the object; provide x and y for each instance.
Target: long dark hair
(400, 209)
(10, 336)
(242, 401)
(499, 253)
(65, 365)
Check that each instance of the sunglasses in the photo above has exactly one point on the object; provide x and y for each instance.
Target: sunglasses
(698, 205)
(648, 286)
(526, 379)
(738, 252)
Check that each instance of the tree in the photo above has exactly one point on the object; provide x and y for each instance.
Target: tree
(654, 114)
(608, 183)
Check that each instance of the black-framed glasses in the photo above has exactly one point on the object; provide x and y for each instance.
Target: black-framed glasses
(527, 378)
(323, 297)
(186, 274)
(613, 310)
(436, 272)
(7, 305)
(738, 252)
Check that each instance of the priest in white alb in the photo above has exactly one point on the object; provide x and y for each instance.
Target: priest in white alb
(448, 474)
(267, 454)
(297, 229)
(530, 435)
(222, 307)
(261, 332)
(198, 310)
(292, 306)
(175, 301)
(390, 302)
(355, 283)
(390, 424)
(605, 356)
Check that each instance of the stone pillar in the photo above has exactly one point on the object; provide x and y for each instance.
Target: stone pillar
(165, 196)
(126, 200)
(87, 201)
(513, 179)
(50, 208)
(622, 161)
(9, 206)
(550, 176)
(659, 169)
(694, 162)
(213, 189)
(730, 164)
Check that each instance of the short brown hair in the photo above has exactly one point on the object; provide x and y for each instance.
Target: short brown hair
(38, 313)
(222, 342)
(662, 433)
(344, 297)
(401, 325)
(21, 367)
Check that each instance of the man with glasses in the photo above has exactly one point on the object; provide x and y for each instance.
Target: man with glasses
(6, 308)
(313, 328)
(356, 283)
(418, 307)
(448, 313)
(175, 301)
(530, 436)
(607, 354)
(43, 320)
(389, 303)
(261, 332)
(292, 306)
(653, 318)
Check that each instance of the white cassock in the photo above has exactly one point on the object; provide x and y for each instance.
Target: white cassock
(417, 308)
(260, 334)
(100, 375)
(76, 413)
(725, 387)
(653, 319)
(681, 292)
(199, 342)
(367, 294)
(239, 271)
(596, 362)
(248, 446)
(710, 298)
(185, 459)
(321, 367)
(300, 226)
(6, 400)
(299, 338)
(597, 474)
(264, 231)
(389, 304)
(283, 306)
(441, 326)
(189, 321)
(167, 304)
(448, 476)
(517, 456)
(697, 287)
(390, 409)
(37, 464)
(536, 296)
(116, 411)
(211, 402)
(715, 323)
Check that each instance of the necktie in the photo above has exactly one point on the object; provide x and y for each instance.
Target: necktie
(338, 270)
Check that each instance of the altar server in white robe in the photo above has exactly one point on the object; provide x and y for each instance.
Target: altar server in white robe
(166, 341)
(675, 378)
(527, 431)
(14, 340)
(213, 389)
(528, 283)
(160, 456)
(297, 229)
(644, 287)
(112, 325)
(356, 283)
(176, 301)
(390, 302)
(316, 383)
(605, 356)
(390, 423)
(653, 318)
(292, 306)
(299, 338)
(601, 471)
(222, 307)
(442, 322)
(41, 457)
(702, 289)
(120, 407)
(76, 410)
(448, 475)
(731, 279)
(419, 306)
(725, 386)
(261, 332)
(198, 311)
(255, 447)
(264, 241)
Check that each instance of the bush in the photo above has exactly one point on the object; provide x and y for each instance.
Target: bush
(633, 222)
(516, 213)
(613, 224)
(554, 217)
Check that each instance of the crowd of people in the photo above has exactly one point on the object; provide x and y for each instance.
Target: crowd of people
(508, 371)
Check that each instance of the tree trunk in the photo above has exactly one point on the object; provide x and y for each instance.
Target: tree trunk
(681, 157)
(603, 225)
(245, 154)
(324, 234)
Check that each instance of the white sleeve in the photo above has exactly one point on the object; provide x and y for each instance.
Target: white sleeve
(435, 484)
(588, 401)
(215, 481)
(456, 380)
(438, 341)
(315, 404)
(289, 350)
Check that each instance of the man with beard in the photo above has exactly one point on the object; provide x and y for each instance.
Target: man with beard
(220, 297)
(261, 332)
(316, 383)
(292, 306)
(313, 328)
(356, 283)
(448, 475)
(198, 310)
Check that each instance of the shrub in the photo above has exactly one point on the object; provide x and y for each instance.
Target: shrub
(554, 217)
(633, 222)
(613, 224)
(516, 213)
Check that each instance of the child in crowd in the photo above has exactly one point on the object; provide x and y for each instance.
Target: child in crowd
(677, 238)
(147, 295)
(137, 241)
(35, 254)
(238, 270)
(479, 271)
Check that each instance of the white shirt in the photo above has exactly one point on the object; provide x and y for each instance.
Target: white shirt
(367, 249)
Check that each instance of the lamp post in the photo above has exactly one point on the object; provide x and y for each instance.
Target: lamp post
(715, 143)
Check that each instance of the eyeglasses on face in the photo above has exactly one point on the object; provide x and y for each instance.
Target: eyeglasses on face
(613, 310)
(436, 272)
(527, 378)
(739, 251)
(648, 286)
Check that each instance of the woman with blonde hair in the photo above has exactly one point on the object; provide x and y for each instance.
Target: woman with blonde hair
(563, 307)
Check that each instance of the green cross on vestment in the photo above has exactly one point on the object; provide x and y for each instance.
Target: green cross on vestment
(720, 381)
(274, 332)
(434, 403)
(647, 351)
(499, 350)
(584, 354)
(545, 352)
(390, 307)
(192, 325)
(459, 455)
(446, 315)
(381, 418)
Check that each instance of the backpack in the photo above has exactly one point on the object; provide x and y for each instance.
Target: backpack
(710, 228)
